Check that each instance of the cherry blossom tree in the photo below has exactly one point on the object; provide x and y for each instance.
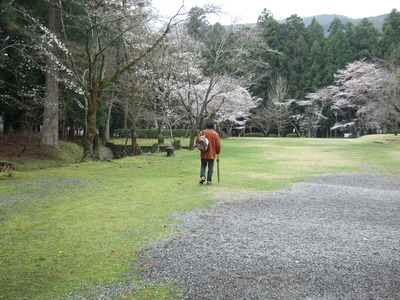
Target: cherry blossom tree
(134, 95)
(233, 104)
(91, 67)
(263, 118)
(104, 26)
(313, 111)
(358, 96)
(277, 111)
(277, 94)
(364, 97)
(160, 75)
(204, 93)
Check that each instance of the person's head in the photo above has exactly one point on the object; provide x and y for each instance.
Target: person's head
(210, 124)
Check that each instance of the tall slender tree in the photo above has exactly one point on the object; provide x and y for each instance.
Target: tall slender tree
(366, 39)
(49, 135)
(337, 51)
(91, 64)
(390, 42)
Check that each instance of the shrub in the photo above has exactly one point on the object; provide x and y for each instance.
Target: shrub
(292, 135)
(153, 133)
(147, 133)
(271, 135)
(178, 133)
(122, 133)
(255, 134)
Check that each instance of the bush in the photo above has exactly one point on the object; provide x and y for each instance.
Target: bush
(122, 133)
(292, 135)
(153, 133)
(147, 133)
(141, 133)
(178, 133)
(271, 135)
(255, 134)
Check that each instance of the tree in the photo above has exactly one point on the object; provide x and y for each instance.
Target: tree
(197, 24)
(263, 118)
(21, 80)
(315, 108)
(92, 68)
(99, 36)
(49, 135)
(296, 52)
(337, 51)
(136, 96)
(204, 85)
(191, 89)
(159, 74)
(313, 76)
(232, 103)
(281, 105)
(356, 94)
(316, 41)
(270, 48)
(365, 40)
(390, 42)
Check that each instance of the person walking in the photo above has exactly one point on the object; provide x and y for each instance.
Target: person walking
(208, 157)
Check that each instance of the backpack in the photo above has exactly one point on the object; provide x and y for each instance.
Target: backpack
(202, 143)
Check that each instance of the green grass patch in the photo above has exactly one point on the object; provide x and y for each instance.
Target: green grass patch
(69, 228)
(39, 157)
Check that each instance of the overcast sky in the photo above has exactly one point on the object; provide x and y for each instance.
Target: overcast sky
(247, 11)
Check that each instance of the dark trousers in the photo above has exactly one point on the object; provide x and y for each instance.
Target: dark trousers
(204, 163)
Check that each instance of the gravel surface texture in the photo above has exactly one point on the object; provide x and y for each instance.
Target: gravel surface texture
(334, 236)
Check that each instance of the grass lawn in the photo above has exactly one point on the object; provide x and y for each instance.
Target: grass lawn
(64, 229)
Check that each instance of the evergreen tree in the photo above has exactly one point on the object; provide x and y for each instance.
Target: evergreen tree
(349, 32)
(365, 40)
(272, 37)
(313, 75)
(295, 52)
(298, 68)
(316, 40)
(337, 51)
(315, 32)
(21, 80)
(197, 25)
(390, 43)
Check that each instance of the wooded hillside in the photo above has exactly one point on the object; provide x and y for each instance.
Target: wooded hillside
(88, 68)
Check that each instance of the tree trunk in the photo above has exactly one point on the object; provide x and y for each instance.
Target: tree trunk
(160, 132)
(192, 139)
(136, 150)
(126, 110)
(49, 135)
(107, 128)
(91, 139)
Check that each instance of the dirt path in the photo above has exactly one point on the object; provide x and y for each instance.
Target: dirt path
(105, 152)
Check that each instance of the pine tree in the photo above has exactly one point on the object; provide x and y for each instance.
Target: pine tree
(390, 43)
(365, 40)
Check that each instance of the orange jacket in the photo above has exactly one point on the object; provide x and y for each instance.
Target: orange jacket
(214, 144)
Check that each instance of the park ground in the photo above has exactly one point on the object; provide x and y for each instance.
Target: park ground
(72, 228)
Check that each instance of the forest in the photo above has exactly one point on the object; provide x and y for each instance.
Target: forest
(97, 69)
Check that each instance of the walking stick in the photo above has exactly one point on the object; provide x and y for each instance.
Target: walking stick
(218, 168)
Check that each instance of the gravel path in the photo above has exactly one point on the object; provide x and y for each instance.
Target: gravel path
(333, 236)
